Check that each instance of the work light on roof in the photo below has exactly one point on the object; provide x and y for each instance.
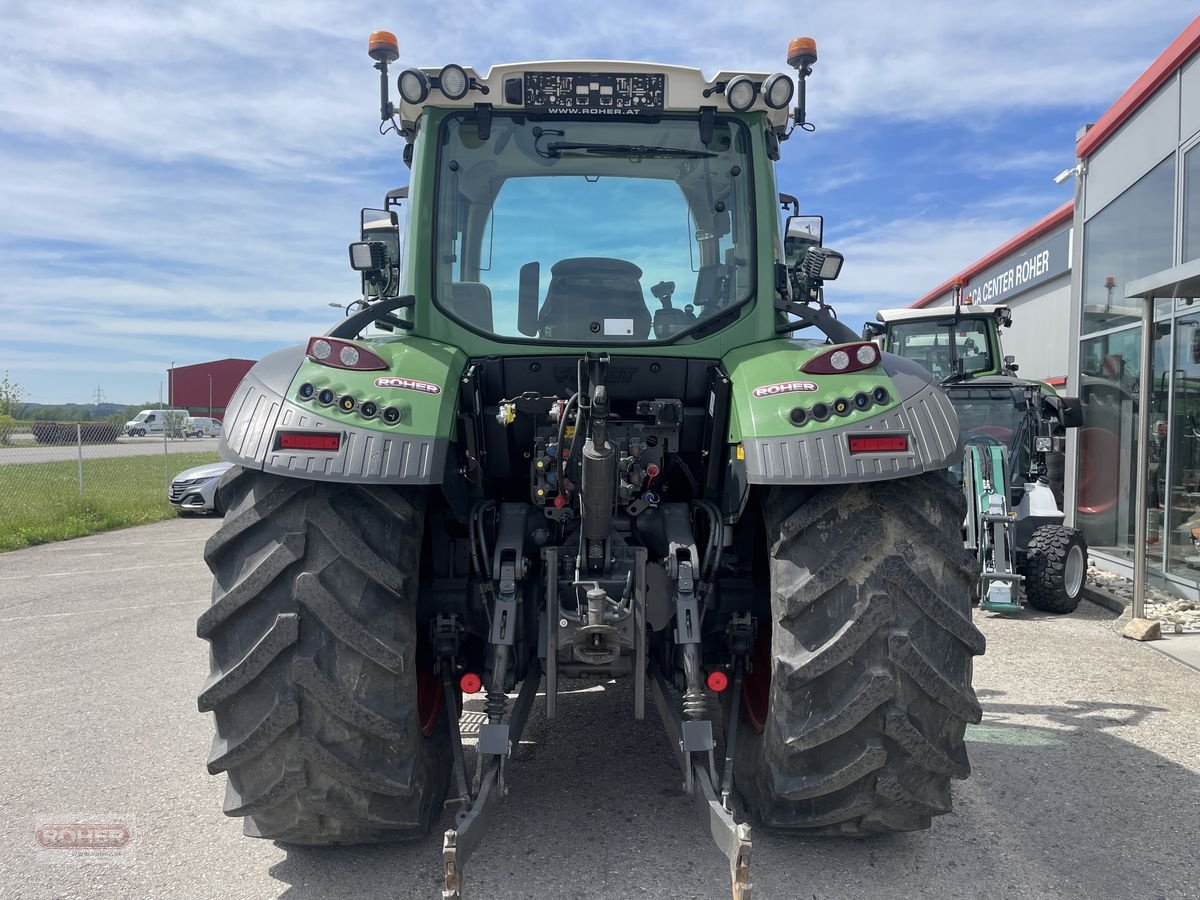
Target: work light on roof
(453, 82)
(740, 93)
(777, 91)
(413, 85)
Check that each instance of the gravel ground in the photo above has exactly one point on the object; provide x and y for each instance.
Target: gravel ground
(1085, 781)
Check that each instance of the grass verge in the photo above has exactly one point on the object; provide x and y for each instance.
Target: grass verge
(40, 502)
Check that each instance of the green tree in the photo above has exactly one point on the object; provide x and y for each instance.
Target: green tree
(10, 395)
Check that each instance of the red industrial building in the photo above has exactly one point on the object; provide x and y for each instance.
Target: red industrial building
(206, 386)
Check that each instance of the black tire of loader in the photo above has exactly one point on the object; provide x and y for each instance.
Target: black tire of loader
(1045, 568)
(872, 645)
(314, 678)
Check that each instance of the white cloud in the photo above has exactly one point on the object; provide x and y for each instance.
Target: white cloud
(184, 178)
(892, 263)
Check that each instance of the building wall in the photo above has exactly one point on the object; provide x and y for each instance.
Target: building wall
(1135, 199)
(1034, 281)
(189, 385)
(1039, 336)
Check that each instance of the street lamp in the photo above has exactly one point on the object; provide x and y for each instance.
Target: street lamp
(210, 395)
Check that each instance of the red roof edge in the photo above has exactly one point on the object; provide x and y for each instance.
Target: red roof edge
(1036, 230)
(1141, 90)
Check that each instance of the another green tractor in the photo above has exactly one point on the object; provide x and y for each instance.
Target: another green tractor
(509, 466)
(1013, 462)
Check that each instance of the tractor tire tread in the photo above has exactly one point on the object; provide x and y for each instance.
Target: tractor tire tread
(313, 640)
(872, 645)
(1045, 568)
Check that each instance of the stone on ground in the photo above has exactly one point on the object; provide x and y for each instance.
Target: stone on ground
(1143, 630)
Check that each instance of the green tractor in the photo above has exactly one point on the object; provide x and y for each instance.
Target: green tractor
(568, 432)
(1013, 456)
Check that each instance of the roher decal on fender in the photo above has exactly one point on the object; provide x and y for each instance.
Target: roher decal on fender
(784, 387)
(408, 384)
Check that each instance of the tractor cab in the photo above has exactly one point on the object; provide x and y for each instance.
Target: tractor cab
(955, 345)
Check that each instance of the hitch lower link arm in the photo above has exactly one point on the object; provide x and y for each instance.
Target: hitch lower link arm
(732, 837)
(496, 741)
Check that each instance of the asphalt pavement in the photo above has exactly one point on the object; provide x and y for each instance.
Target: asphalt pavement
(29, 452)
(1084, 785)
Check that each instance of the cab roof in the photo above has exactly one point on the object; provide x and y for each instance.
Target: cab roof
(687, 89)
(975, 311)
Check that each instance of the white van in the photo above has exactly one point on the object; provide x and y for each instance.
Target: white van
(152, 421)
(201, 426)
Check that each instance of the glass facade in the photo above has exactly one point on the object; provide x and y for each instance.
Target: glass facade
(1131, 237)
(1191, 204)
(1108, 389)
(1179, 525)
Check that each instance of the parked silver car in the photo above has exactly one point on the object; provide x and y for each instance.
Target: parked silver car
(195, 490)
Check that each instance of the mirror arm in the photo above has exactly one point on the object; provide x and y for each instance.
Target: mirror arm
(380, 311)
(820, 317)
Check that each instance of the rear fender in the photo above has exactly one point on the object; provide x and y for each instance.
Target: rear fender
(769, 385)
(421, 382)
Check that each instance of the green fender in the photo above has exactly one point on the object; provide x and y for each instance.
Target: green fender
(791, 427)
(418, 391)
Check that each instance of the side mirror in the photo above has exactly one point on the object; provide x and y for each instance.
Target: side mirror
(395, 197)
(377, 254)
(872, 330)
(1068, 410)
(376, 220)
(800, 233)
(528, 291)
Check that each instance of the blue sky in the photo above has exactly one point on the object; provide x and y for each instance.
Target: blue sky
(180, 180)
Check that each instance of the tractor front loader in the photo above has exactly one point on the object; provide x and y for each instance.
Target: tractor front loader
(563, 436)
(1012, 460)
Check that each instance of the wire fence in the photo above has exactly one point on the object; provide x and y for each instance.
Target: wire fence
(64, 480)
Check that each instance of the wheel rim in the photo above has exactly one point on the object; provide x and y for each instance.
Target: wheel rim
(1073, 575)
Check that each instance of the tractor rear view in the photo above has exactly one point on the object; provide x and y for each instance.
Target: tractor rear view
(1013, 456)
(569, 432)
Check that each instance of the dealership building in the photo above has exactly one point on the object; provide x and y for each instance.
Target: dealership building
(1132, 228)
(204, 389)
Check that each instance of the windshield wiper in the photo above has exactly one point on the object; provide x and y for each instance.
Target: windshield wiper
(556, 148)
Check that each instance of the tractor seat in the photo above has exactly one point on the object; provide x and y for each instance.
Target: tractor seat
(593, 297)
(471, 301)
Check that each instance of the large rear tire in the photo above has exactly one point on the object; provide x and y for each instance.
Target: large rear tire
(315, 681)
(867, 694)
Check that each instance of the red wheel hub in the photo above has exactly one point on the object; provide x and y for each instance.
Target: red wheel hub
(429, 700)
(756, 685)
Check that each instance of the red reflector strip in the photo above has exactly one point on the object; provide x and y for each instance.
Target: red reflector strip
(880, 444)
(307, 440)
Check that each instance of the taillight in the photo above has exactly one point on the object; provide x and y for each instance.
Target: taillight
(870, 443)
(343, 355)
(308, 440)
(842, 359)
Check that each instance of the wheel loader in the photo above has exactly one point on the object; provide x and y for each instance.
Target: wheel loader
(1012, 469)
(590, 419)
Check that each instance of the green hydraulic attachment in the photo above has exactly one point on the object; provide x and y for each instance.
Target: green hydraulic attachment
(990, 526)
